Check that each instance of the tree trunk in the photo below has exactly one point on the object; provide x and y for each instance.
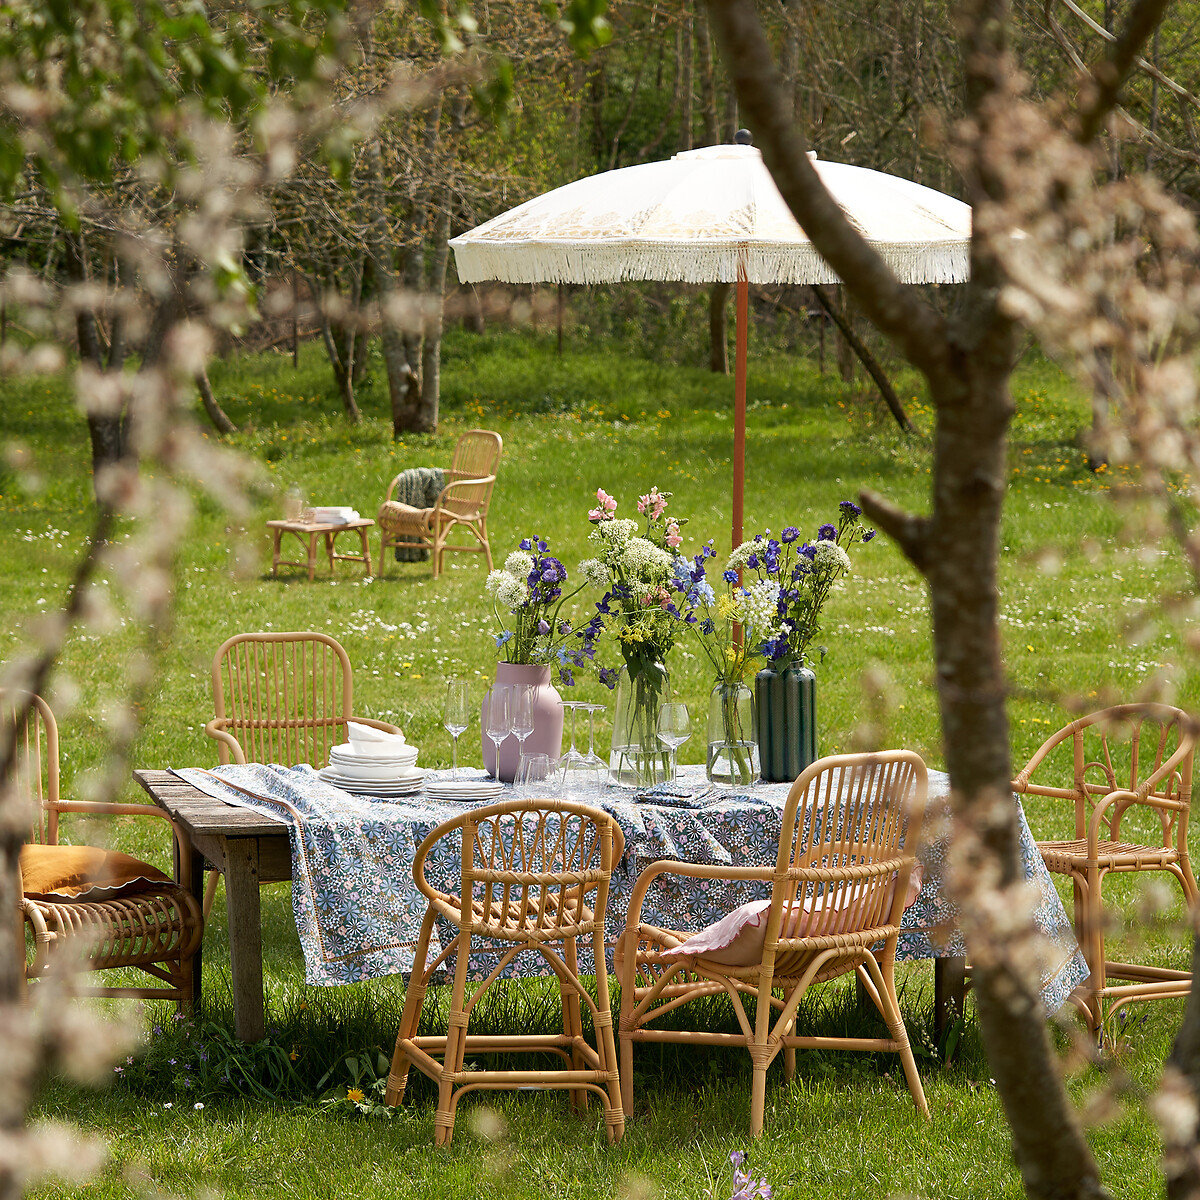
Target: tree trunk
(685, 78)
(845, 351)
(718, 342)
(216, 414)
(956, 548)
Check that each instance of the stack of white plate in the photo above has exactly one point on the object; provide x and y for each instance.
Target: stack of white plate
(393, 774)
(463, 789)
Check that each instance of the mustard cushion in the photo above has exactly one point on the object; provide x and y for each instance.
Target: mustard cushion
(83, 873)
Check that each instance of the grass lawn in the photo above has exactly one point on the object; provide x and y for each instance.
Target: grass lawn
(1088, 613)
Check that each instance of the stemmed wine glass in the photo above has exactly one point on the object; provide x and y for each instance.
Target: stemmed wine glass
(457, 716)
(499, 719)
(592, 758)
(521, 699)
(674, 728)
(573, 767)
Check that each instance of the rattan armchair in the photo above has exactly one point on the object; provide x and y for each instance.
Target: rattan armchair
(462, 504)
(281, 698)
(1126, 773)
(535, 878)
(146, 923)
(851, 826)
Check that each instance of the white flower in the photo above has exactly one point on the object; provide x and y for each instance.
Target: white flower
(615, 532)
(740, 556)
(508, 589)
(831, 558)
(197, 1105)
(760, 604)
(642, 558)
(594, 572)
(519, 563)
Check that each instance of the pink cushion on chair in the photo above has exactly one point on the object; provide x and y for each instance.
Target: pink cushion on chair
(736, 940)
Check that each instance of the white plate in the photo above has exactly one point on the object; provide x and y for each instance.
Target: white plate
(374, 760)
(464, 789)
(373, 787)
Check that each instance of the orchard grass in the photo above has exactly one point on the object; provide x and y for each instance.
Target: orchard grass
(1084, 622)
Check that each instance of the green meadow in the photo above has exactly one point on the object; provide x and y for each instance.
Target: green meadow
(1094, 611)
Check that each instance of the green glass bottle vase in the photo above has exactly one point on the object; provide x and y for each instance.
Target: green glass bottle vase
(786, 705)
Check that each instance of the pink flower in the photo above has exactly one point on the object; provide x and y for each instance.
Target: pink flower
(656, 502)
(674, 537)
(605, 509)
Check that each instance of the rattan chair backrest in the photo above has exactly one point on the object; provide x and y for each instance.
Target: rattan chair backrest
(532, 870)
(851, 827)
(476, 456)
(1144, 751)
(36, 777)
(285, 696)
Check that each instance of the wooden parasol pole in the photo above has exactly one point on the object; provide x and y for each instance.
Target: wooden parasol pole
(739, 405)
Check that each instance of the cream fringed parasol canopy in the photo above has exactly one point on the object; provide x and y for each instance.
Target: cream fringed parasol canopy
(713, 216)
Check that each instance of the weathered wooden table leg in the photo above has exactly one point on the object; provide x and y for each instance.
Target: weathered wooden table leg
(245, 938)
(189, 873)
(275, 552)
(366, 551)
(329, 536)
(949, 991)
(312, 556)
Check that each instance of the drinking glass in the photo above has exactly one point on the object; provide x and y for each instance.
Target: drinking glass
(674, 728)
(573, 768)
(592, 757)
(499, 718)
(457, 716)
(521, 698)
(535, 775)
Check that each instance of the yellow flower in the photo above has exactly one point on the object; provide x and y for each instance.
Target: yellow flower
(294, 1055)
(355, 1094)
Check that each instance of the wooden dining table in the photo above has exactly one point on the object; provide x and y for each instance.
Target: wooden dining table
(252, 848)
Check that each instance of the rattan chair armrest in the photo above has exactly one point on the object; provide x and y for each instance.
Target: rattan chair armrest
(217, 730)
(461, 483)
(1098, 812)
(374, 724)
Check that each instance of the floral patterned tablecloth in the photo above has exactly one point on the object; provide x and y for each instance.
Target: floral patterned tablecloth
(359, 913)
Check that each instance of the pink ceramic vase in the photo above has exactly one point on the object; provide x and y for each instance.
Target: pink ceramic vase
(546, 737)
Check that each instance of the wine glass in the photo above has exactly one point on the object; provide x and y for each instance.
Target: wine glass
(499, 718)
(674, 728)
(573, 767)
(600, 766)
(521, 699)
(457, 716)
(536, 775)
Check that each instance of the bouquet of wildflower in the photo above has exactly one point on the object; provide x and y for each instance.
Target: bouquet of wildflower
(639, 566)
(799, 576)
(530, 587)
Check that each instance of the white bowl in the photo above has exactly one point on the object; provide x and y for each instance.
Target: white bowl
(376, 771)
(349, 754)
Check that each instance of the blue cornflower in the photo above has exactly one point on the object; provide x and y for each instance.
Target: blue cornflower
(827, 533)
(866, 537)
(790, 534)
(730, 576)
(502, 639)
(850, 508)
(707, 626)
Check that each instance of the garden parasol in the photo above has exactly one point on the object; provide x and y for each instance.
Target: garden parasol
(713, 215)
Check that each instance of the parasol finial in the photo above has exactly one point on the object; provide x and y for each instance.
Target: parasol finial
(743, 137)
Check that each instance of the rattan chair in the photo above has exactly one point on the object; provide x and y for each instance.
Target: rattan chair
(281, 698)
(462, 504)
(850, 828)
(156, 927)
(535, 878)
(1127, 773)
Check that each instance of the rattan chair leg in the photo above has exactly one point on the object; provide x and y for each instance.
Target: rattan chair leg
(456, 1044)
(884, 978)
(210, 891)
(758, 1097)
(573, 1020)
(410, 1018)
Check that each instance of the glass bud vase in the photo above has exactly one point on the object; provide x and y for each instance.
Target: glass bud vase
(732, 737)
(638, 759)
(786, 702)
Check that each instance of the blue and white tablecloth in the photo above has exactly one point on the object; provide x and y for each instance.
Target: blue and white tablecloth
(359, 913)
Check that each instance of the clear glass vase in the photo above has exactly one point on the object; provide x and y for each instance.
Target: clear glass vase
(732, 746)
(638, 759)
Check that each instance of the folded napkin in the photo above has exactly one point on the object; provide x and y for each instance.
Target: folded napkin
(368, 733)
(674, 795)
(334, 515)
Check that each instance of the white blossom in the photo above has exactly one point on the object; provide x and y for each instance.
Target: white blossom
(615, 532)
(760, 604)
(594, 572)
(519, 563)
(740, 556)
(831, 558)
(507, 589)
(643, 559)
